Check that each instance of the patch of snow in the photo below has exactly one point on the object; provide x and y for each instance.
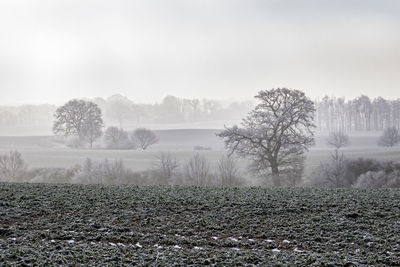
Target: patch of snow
(157, 246)
(252, 240)
(269, 240)
(370, 243)
(52, 241)
(92, 243)
(275, 250)
(286, 241)
(70, 241)
(198, 248)
(138, 245)
(297, 250)
(237, 249)
(102, 229)
(113, 244)
(214, 237)
(13, 238)
(121, 244)
(177, 247)
(233, 239)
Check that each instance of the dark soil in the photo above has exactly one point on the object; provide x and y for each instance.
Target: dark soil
(130, 225)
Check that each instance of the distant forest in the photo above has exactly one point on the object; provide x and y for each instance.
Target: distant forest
(122, 112)
(360, 114)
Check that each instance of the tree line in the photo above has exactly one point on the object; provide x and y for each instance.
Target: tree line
(359, 114)
(125, 113)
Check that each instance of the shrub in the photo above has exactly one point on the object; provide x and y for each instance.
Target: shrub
(144, 137)
(338, 139)
(197, 170)
(12, 167)
(228, 171)
(115, 138)
(390, 137)
(378, 179)
(101, 172)
(165, 167)
(52, 175)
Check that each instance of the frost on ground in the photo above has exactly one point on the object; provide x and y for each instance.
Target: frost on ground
(117, 225)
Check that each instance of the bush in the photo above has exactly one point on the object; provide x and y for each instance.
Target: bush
(165, 167)
(115, 138)
(390, 137)
(228, 171)
(101, 172)
(12, 167)
(378, 179)
(144, 137)
(52, 175)
(359, 173)
(197, 170)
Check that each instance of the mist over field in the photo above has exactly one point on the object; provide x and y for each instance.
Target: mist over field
(202, 132)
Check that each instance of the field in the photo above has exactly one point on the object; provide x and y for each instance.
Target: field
(43, 151)
(116, 225)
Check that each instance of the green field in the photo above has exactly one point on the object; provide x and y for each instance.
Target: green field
(116, 225)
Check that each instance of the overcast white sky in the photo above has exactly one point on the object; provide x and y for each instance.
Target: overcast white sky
(51, 51)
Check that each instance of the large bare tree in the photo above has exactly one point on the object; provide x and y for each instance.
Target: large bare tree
(79, 118)
(276, 134)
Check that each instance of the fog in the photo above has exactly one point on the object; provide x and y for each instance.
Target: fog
(199, 132)
(52, 51)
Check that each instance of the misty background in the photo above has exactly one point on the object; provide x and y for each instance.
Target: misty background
(52, 51)
(187, 69)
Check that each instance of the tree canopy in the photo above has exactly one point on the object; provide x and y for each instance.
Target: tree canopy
(276, 134)
(79, 118)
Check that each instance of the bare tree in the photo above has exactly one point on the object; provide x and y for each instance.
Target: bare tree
(145, 137)
(117, 138)
(119, 109)
(101, 172)
(91, 129)
(390, 137)
(12, 166)
(78, 118)
(276, 133)
(334, 170)
(228, 170)
(338, 139)
(165, 166)
(197, 170)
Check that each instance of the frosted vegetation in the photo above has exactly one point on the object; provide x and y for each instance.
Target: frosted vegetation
(268, 148)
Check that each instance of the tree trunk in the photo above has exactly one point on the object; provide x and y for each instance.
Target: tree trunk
(275, 175)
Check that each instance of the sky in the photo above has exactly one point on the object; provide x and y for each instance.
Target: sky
(55, 50)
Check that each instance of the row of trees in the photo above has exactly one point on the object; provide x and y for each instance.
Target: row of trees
(331, 114)
(360, 114)
(27, 115)
(125, 113)
(340, 171)
(165, 170)
(83, 120)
